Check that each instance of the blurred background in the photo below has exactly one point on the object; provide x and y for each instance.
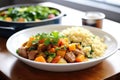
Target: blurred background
(110, 7)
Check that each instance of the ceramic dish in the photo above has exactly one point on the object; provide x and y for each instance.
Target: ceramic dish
(17, 39)
(7, 28)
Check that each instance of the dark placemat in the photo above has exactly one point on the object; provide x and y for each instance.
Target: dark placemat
(3, 77)
(114, 77)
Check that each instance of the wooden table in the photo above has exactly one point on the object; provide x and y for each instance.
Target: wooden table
(13, 69)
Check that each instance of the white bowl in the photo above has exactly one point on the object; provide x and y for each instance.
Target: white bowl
(17, 39)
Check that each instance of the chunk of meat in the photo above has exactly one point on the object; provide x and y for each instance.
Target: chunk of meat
(42, 48)
(77, 52)
(32, 54)
(22, 52)
(70, 57)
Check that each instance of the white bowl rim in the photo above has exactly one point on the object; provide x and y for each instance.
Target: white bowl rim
(54, 64)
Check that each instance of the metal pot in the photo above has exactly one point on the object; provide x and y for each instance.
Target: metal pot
(9, 28)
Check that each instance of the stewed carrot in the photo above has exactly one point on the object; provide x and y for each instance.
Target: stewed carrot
(40, 59)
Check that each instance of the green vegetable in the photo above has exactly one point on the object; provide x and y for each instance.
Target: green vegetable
(17, 51)
(91, 51)
(49, 38)
(32, 48)
(30, 13)
(52, 55)
(47, 41)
